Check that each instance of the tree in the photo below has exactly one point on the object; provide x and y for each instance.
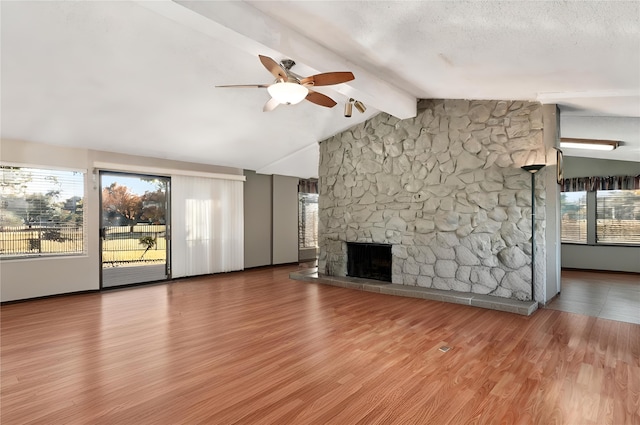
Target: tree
(14, 181)
(117, 199)
(154, 206)
(147, 241)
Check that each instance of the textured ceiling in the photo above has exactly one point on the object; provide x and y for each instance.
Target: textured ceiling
(139, 77)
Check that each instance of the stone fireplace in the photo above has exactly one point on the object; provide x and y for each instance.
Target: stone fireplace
(443, 190)
(369, 261)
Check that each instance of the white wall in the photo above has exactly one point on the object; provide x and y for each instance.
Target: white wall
(29, 278)
(551, 116)
(285, 220)
(611, 258)
(600, 257)
(586, 167)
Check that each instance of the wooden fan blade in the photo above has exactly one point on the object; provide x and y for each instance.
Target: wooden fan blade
(328, 78)
(273, 67)
(270, 105)
(320, 99)
(250, 86)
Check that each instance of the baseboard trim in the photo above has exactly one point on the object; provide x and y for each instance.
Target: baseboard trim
(598, 271)
(45, 297)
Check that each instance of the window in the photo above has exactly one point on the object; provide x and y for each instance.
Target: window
(618, 216)
(573, 213)
(308, 220)
(42, 212)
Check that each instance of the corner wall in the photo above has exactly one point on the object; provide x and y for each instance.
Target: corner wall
(270, 220)
(446, 190)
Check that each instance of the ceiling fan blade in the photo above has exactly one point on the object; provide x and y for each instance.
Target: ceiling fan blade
(273, 67)
(270, 105)
(328, 78)
(249, 86)
(320, 99)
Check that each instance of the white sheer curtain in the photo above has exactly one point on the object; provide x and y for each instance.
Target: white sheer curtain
(207, 225)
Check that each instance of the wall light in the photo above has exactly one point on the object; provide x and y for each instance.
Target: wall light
(288, 93)
(598, 145)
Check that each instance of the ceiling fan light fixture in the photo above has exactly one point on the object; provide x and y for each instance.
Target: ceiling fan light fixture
(598, 145)
(288, 93)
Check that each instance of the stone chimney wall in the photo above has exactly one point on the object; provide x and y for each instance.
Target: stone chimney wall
(445, 189)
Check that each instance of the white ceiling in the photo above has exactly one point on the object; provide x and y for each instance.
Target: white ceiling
(139, 77)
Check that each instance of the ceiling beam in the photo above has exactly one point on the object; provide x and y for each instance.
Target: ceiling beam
(243, 26)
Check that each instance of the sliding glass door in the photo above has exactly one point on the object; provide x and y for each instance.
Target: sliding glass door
(134, 231)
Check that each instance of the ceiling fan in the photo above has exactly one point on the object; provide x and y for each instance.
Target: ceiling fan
(289, 88)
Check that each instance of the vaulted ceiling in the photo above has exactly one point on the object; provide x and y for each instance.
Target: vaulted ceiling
(139, 77)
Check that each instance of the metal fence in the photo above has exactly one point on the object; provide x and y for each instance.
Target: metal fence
(140, 243)
(41, 239)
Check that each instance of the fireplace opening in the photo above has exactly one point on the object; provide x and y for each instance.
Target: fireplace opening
(369, 261)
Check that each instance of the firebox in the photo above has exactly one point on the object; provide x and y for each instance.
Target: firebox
(369, 261)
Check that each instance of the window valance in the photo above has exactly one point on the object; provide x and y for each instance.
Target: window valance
(308, 186)
(590, 184)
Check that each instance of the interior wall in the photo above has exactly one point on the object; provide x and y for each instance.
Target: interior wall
(600, 257)
(37, 277)
(574, 166)
(285, 220)
(551, 119)
(257, 219)
(597, 257)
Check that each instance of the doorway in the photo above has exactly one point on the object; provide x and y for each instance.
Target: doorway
(135, 242)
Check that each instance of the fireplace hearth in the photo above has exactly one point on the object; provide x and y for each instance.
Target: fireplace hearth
(369, 261)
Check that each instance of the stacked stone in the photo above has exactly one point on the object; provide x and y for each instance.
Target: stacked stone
(445, 189)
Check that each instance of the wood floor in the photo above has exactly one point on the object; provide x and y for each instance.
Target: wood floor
(258, 348)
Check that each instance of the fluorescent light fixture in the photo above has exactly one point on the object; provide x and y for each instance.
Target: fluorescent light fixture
(596, 145)
(288, 93)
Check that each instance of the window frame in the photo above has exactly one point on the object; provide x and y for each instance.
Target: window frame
(596, 219)
(586, 219)
(301, 197)
(82, 240)
(592, 225)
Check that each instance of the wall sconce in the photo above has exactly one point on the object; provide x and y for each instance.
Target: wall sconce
(599, 145)
(348, 107)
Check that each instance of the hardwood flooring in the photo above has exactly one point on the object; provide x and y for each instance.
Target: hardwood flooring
(257, 348)
(614, 296)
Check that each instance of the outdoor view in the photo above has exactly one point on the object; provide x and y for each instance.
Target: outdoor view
(573, 211)
(617, 215)
(41, 212)
(133, 220)
(307, 220)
